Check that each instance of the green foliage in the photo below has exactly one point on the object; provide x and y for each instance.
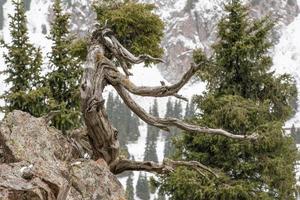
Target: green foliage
(190, 110)
(173, 111)
(152, 136)
(123, 120)
(135, 25)
(295, 134)
(242, 62)
(265, 166)
(129, 187)
(142, 187)
(243, 97)
(63, 79)
(78, 49)
(23, 62)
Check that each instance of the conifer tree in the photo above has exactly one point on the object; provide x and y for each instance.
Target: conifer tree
(170, 110)
(152, 136)
(189, 110)
(142, 187)
(23, 62)
(243, 96)
(129, 187)
(63, 79)
(133, 130)
(122, 119)
(176, 112)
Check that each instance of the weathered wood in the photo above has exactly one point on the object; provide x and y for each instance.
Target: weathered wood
(102, 135)
(166, 167)
(99, 72)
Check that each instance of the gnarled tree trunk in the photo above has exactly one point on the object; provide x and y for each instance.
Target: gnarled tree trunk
(101, 71)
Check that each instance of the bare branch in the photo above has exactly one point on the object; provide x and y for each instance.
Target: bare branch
(168, 166)
(165, 123)
(116, 78)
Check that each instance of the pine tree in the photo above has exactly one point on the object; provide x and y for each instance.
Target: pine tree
(23, 71)
(170, 110)
(152, 136)
(123, 120)
(293, 133)
(176, 112)
(190, 110)
(63, 79)
(142, 187)
(243, 97)
(110, 105)
(129, 187)
(133, 131)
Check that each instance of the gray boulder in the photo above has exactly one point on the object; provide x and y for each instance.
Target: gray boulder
(38, 163)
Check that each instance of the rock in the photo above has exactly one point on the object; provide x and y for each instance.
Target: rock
(37, 162)
(194, 26)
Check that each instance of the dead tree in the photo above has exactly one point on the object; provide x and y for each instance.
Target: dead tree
(105, 57)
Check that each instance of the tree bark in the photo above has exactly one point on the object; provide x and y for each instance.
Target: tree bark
(99, 71)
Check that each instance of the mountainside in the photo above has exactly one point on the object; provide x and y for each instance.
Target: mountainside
(189, 24)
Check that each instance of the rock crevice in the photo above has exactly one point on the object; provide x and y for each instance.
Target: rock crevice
(38, 163)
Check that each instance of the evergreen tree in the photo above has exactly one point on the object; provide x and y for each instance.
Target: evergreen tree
(152, 136)
(146, 28)
(63, 80)
(293, 133)
(243, 97)
(170, 110)
(23, 62)
(190, 110)
(154, 110)
(110, 105)
(129, 187)
(176, 112)
(123, 120)
(160, 197)
(142, 187)
(133, 131)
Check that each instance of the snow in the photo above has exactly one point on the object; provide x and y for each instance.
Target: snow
(287, 59)
(286, 56)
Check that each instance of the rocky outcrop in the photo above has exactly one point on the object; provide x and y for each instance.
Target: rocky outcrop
(38, 163)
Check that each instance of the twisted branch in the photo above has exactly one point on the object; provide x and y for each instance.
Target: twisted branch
(121, 53)
(103, 137)
(165, 123)
(116, 78)
(168, 166)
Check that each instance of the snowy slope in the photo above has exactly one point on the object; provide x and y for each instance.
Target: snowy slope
(286, 53)
(287, 59)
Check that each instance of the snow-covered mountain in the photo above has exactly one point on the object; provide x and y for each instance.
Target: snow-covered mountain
(190, 24)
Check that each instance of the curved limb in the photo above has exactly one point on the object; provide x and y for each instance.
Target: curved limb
(166, 167)
(116, 78)
(124, 57)
(115, 46)
(165, 123)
